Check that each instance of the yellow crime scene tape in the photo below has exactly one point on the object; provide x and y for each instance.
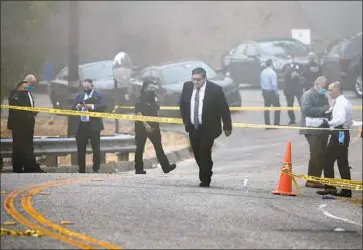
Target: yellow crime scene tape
(296, 108)
(148, 118)
(9, 232)
(341, 183)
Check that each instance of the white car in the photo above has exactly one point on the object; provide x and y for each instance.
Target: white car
(111, 77)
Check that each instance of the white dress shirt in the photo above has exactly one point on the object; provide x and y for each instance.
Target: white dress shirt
(31, 99)
(342, 113)
(201, 100)
(86, 96)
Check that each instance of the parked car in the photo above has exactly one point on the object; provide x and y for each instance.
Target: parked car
(111, 77)
(342, 61)
(171, 77)
(244, 61)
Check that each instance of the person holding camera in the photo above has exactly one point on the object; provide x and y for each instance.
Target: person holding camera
(147, 105)
(89, 128)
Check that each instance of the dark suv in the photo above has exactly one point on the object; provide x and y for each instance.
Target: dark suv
(245, 61)
(342, 61)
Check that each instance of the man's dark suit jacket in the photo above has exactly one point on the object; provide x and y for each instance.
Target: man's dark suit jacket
(19, 119)
(100, 105)
(215, 109)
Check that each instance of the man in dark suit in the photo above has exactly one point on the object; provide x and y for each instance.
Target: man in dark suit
(22, 123)
(89, 127)
(202, 106)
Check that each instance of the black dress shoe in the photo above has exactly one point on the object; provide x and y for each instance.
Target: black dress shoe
(204, 184)
(171, 168)
(140, 172)
(331, 191)
(344, 193)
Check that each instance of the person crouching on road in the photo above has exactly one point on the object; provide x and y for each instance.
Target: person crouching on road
(147, 105)
(89, 127)
(314, 105)
(337, 149)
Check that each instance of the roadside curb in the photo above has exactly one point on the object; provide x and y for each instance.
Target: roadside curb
(173, 156)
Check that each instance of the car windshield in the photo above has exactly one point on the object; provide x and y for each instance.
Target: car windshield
(98, 71)
(183, 72)
(283, 48)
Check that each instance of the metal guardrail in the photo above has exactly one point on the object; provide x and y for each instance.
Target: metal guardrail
(54, 147)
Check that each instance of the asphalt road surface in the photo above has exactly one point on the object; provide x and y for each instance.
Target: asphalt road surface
(172, 211)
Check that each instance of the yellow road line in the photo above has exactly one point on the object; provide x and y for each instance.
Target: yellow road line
(27, 205)
(12, 211)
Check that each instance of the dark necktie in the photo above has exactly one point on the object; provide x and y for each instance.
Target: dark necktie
(196, 109)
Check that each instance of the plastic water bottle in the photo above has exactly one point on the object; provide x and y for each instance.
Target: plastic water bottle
(341, 137)
(245, 184)
(84, 118)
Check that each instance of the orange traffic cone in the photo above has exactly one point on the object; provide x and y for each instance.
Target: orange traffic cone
(285, 182)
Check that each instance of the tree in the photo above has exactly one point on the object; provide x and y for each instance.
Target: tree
(21, 48)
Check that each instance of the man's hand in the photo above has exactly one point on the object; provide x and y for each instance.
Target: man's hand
(88, 106)
(324, 124)
(148, 128)
(227, 132)
(326, 107)
(79, 106)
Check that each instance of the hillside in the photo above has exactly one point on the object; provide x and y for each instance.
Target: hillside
(153, 32)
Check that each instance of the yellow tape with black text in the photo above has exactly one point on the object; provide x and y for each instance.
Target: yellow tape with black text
(296, 108)
(10, 232)
(147, 118)
(341, 183)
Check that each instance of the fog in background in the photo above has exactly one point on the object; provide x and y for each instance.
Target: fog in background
(153, 32)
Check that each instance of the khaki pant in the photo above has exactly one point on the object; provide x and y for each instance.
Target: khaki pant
(317, 145)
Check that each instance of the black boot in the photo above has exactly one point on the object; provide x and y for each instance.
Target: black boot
(139, 170)
(328, 190)
(344, 193)
(169, 169)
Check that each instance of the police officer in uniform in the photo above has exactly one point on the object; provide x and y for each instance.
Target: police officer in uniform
(311, 72)
(147, 105)
(293, 86)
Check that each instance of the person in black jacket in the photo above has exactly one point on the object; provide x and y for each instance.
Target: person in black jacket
(312, 72)
(147, 105)
(202, 107)
(293, 86)
(89, 128)
(22, 123)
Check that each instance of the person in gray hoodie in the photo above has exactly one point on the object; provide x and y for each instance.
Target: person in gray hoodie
(315, 104)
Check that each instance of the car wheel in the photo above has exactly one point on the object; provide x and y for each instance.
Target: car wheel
(358, 86)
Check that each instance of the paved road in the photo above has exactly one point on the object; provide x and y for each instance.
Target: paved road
(171, 211)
